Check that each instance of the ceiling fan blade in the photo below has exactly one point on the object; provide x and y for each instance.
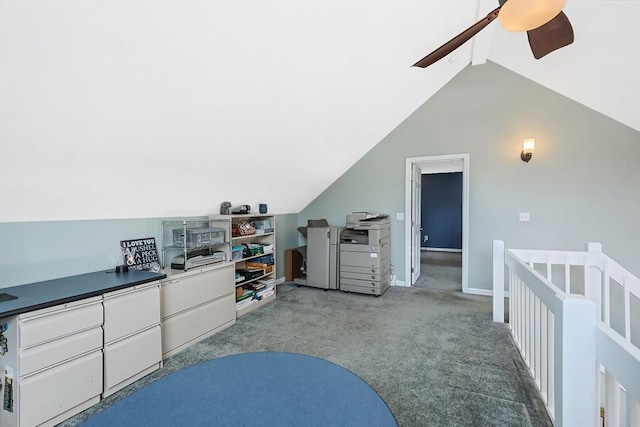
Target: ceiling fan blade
(457, 41)
(553, 35)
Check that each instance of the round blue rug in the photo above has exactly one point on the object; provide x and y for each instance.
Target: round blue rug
(253, 389)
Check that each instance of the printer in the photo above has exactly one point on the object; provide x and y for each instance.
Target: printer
(367, 221)
(364, 228)
(365, 254)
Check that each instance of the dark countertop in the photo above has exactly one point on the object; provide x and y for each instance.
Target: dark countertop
(35, 296)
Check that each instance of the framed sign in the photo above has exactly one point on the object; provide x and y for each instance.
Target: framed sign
(140, 254)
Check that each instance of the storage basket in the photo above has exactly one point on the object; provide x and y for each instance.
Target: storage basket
(236, 252)
(198, 237)
(245, 228)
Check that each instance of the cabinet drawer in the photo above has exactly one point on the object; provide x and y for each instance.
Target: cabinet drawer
(363, 289)
(48, 324)
(360, 276)
(362, 259)
(362, 270)
(130, 311)
(187, 326)
(126, 358)
(53, 352)
(187, 292)
(55, 391)
(360, 283)
(350, 247)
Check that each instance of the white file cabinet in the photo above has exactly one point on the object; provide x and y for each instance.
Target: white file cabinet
(132, 337)
(196, 304)
(55, 371)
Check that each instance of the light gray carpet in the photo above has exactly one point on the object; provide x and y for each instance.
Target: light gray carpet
(440, 270)
(435, 357)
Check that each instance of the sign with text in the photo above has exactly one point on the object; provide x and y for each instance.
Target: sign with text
(140, 254)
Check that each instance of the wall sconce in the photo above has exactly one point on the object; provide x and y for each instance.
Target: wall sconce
(527, 149)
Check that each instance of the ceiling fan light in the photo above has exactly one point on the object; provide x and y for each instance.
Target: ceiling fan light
(525, 15)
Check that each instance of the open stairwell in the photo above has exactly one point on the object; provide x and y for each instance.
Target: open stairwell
(575, 319)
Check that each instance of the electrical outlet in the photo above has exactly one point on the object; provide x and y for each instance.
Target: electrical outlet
(400, 216)
(524, 216)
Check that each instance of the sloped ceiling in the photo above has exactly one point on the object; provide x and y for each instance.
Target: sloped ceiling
(148, 109)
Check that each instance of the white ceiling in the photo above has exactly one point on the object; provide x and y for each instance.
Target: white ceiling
(160, 108)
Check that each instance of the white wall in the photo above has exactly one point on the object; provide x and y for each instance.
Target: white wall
(582, 184)
(143, 109)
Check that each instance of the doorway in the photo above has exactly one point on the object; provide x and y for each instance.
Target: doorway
(415, 166)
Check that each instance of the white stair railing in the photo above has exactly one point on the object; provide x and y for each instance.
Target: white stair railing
(580, 366)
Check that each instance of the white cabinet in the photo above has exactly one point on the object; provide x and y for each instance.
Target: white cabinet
(196, 304)
(132, 338)
(75, 385)
(55, 369)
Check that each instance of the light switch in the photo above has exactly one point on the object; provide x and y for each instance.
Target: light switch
(400, 216)
(524, 216)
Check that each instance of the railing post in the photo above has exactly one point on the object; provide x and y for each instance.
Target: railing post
(593, 277)
(575, 362)
(498, 281)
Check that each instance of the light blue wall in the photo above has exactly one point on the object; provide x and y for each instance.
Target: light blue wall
(583, 183)
(286, 238)
(35, 251)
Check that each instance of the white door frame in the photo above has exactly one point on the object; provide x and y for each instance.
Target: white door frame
(415, 219)
(408, 241)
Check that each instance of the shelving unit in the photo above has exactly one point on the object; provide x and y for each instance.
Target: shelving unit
(255, 273)
(195, 243)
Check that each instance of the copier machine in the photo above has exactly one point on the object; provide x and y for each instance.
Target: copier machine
(320, 255)
(365, 254)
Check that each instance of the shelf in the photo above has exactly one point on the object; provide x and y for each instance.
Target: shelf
(198, 248)
(248, 236)
(266, 238)
(246, 282)
(217, 240)
(255, 304)
(252, 257)
(247, 215)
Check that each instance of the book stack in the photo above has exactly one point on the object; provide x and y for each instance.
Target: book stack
(268, 287)
(245, 299)
(254, 292)
(264, 263)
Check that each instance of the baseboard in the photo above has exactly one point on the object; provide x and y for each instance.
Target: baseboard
(279, 280)
(479, 291)
(400, 283)
(484, 292)
(459, 251)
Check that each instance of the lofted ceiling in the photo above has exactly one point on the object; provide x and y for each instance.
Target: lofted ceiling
(167, 108)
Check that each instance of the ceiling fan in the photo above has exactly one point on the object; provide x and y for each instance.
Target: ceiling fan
(547, 27)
